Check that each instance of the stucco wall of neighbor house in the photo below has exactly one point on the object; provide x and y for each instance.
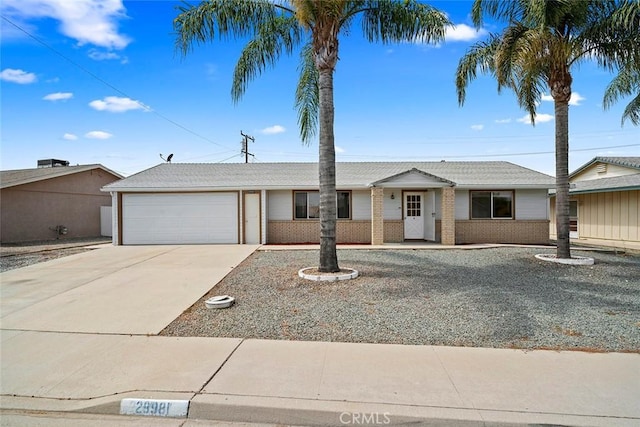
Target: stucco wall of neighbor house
(74, 201)
(603, 170)
(613, 217)
(502, 231)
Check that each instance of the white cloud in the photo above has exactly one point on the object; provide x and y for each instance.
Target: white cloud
(69, 137)
(463, 32)
(575, 99)
(540, 118)
(477, 127)
(58, 96)
(272, 130)
(98, 134)
(99, 55)
(87, 21)
(502, 121)
(339, 149)
(53, 80)
(17, 76)
(115, 104)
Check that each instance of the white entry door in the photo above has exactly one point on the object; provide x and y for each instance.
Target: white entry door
(252, 218)
(413, 216)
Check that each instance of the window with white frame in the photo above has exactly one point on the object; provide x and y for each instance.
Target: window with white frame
(491, 204)
(307, 204)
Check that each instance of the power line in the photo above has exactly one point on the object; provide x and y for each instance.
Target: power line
(109, 85)
(229, 158)
(413, 157)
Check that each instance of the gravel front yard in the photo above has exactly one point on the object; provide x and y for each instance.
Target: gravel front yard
(20, 255)
(501, 297)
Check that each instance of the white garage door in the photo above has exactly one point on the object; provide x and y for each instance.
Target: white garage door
(179, 218)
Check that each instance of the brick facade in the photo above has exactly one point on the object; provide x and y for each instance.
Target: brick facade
(393, 231)
(308, 231)
(377, 215)
(502, 231)
(448, 222)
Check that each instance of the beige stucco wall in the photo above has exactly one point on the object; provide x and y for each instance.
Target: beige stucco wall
(28, 210)
(611, 216)
(603, 170)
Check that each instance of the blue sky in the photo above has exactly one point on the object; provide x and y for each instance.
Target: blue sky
(103, 84)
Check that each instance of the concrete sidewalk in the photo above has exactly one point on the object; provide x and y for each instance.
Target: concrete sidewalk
(74, 339)
(315, 383)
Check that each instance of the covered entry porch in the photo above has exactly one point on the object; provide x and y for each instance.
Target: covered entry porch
(425, 210)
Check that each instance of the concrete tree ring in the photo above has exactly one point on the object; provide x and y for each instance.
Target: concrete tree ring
(311, 273)
(574, 260)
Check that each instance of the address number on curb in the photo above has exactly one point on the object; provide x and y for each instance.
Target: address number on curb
(155, 407)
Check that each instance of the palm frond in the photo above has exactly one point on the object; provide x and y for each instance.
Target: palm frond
(307, 95)
(626, 83)
(632, 111)
(214, 19)
(479, 57)
(388, 21)
(280, 34)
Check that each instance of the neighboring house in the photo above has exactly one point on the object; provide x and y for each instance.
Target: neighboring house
(278, 203)
(605, 203)
(48, 202)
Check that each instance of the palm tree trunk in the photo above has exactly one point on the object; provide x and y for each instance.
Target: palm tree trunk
(327, 171)
(562, 178)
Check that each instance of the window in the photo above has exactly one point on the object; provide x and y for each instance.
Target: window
(307, 204)
(491, 204)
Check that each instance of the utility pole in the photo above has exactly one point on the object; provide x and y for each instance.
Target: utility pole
(245, 146)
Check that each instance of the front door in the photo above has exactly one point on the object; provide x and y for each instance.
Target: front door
(413, 216)
(252, 218)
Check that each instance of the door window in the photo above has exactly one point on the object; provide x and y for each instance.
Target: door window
(414, 205)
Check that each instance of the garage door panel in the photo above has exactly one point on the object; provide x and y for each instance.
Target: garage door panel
(180, 218)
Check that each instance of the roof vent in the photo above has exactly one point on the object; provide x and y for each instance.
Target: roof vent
(601, 168)
(52, 163)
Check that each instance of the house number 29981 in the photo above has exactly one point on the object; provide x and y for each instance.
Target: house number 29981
(155, 407)
(159, 409)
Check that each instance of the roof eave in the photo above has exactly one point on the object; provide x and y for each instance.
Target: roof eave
(70, 172)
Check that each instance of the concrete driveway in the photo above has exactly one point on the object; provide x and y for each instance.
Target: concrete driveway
(117, 290)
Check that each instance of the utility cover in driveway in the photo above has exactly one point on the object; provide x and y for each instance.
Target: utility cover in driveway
(181, 218)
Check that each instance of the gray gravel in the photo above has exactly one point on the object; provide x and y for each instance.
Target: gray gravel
(502, 298)
(18, 255)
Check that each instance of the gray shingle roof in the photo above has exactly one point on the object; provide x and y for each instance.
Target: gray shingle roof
(627, 161)
(625, 182)
(183, 176)
(11, 178)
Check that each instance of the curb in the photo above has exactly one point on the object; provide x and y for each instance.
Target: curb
(309, 412)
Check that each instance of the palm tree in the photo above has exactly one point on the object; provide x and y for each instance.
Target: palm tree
(276, 27)
(541, 44)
